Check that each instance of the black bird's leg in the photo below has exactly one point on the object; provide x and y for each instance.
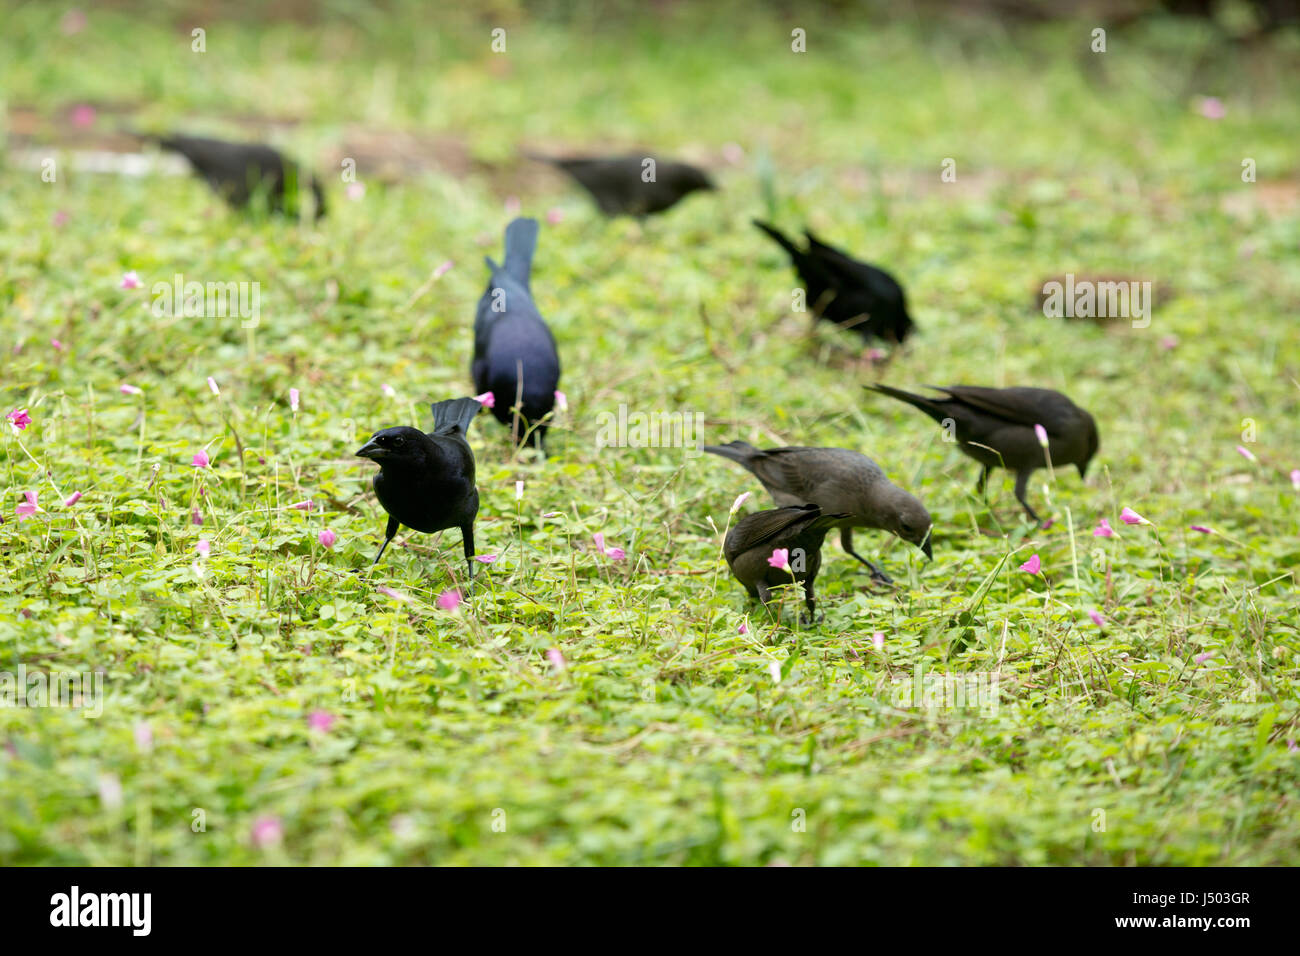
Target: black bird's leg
(982, 483)
(877, 572)
(764, 595)
(389, 534)
(1022, 480)
(467, 539)
(811, 600)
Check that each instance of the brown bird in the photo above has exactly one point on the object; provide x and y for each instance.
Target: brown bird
(837, 480)
(800, 531)
(997, 427)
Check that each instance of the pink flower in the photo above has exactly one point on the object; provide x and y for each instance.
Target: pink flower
(443, 269)
(356, 191)
(733, 153)
(1032, 566)
(519, 490)
(1211, 107)
(305, 505)
(774, 669)
(130, 390)
(293, 399)
(1295, 478)
(1202, 658)
(130, 280)
(485, 558)
(203, 547)
(743, 629)
(1169, 343)
(561, 400)
(387, 390)
(212, 384)
(1097, 618)
(1246, 453)
(616, 554)
(201, 459)
(1202, 529)
(321, 721)
(878, 640)
(740, 500)
(450, 600)
(18, 419)
(56, 345)
(28, 507)
(76, 496)
(487, 400)
(557, 659)
(1291, 745)
(1041, 432)
(196, 516)
(83, 115)
(1047, 525)
(1129, 516)
(143, 736)
(780, 558)
(267, 832)
(1103, 530)
(553, 514)
(395, 595)
(59, 219)
(327, 538)
(513, 205)
(555, 215)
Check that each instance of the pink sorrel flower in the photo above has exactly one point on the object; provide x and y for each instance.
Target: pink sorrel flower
(1295, 478)
(1202, 529)
(740, 500)
(201, 459)
(1097, 618)
(130, 280)
(557, 659)
(443, 269)
(18, 419)
(83, 115)
(203, 547)
(513, 205)
(387, 390)
(267, 832)
(554, 215)
(878, 640)
(774, 669)
(487, 400)
(28, 507)
(450, 600)
(1103, 530)
(1041, 432)
(561, 400)
(212, 384)
(327, 538)
(743, 629)
(1202, 658)
(780, 558)
(485, 558)
(1032, 566)
(1129, 516)
(76, 496)
(321, 721)
(356, 191)
(130, 390)
(143, 736)
(293, 399)
(1246, 453)
(196, 516)
(305, 505)
(1211, 107)
(1169, 343)
(616, 554)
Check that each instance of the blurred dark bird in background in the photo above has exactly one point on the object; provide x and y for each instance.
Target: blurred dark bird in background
(426, 482)
(996, 427)
(632, 185)
(851, 294)
(241, 172)
(837, 480)
(801, 531)
(514, 352)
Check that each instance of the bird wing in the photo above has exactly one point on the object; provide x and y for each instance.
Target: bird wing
(1012, 406)
(763, 526)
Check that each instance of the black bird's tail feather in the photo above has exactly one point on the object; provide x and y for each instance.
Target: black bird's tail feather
(737, 451)
(454, 414)
(930, 407)
(795, 253)
(521, 243)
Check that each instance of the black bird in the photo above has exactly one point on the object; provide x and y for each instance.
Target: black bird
(632, 185)
(240, 171)
(514, 352)
(851, 294)
(801, 531)
(426, 482)
(995, 426)
(837, 480)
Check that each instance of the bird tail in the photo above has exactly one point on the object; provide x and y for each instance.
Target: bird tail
(737, 451)
(521, 243)
(926, 405)
(780, 239)
(454, 414)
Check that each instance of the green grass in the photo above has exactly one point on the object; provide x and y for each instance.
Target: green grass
(667, 739)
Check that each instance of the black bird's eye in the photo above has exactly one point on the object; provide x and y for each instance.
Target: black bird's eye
(398, 441)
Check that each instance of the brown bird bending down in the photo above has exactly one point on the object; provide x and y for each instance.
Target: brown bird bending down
(801, 531)
(836, 480)
(995, 426)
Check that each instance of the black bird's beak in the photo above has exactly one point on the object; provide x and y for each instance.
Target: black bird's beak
(1083, 469)
(925, 545)
(370, 450)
